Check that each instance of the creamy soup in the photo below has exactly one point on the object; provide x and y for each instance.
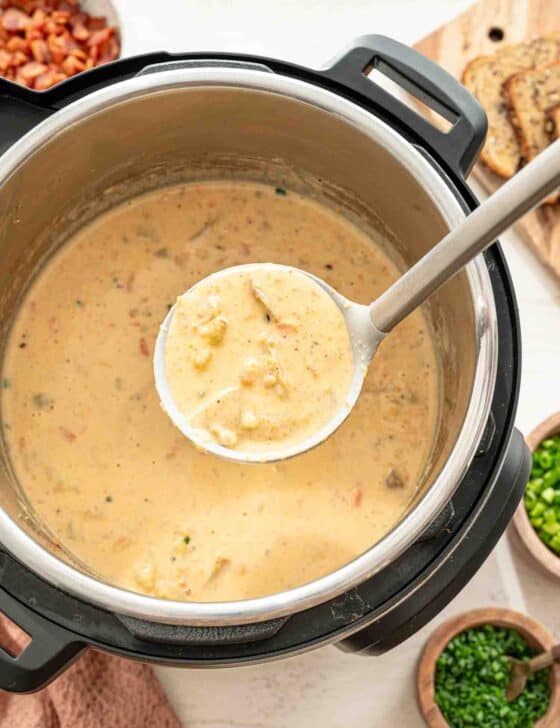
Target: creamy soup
(119, 487)
(258, 358)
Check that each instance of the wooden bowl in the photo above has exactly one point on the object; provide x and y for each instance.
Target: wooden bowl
(540, 552)
(534, 633)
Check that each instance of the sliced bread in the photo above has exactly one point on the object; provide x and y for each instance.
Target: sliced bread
(553, 128)
(530, 95)
(485, 77)
(546, 50)
(553, 122)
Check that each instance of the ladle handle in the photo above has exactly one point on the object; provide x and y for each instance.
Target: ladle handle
(516, 197)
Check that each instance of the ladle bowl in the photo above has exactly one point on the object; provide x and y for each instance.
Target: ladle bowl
(364, 338)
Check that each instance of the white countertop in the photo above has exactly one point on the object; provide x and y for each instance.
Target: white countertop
(327, 688)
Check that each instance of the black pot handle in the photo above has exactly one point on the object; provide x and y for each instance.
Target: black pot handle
(428, 82)
(50, 651)
(18, 114)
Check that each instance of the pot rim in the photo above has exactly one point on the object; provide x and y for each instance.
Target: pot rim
(115, 599)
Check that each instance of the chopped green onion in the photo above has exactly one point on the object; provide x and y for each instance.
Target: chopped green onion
(542, 495)
(472, 674)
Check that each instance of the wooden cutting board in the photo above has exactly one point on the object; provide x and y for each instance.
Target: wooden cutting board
(481, 30)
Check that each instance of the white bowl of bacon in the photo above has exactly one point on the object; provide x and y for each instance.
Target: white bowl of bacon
(44, 42)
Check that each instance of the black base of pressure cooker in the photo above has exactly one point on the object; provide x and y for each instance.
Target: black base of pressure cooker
(400, 599)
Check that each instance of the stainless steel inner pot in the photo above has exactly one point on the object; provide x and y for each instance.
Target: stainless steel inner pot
(193, 122)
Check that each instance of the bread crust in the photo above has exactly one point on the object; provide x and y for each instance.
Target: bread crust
(530, 95)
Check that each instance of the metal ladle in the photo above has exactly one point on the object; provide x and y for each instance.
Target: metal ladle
(368, 325)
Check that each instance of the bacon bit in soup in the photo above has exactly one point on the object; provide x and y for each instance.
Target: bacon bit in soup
(144, 347)
(358, 495)
(67, 434)
(43, 42)
(288, 326)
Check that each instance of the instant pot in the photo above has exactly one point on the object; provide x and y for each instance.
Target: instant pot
(73, 150)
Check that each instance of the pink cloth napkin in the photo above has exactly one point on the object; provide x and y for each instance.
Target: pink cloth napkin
(97, 691)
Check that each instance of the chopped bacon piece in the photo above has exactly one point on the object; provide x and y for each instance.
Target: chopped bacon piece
(94, 23)
(80, 19)
(71, 66)
(80, 32)
(48, 79)
(61, 16)
(68, 44)
(100, 36)
(40, 51)
(23, 81)
(15, 20)
(33, 34)
(109, 51)
(79, 54)
(38, 18)
(67, 434)
(16, 44)
(31, 70)
(18, 59)
(144, 347)
(5, 59)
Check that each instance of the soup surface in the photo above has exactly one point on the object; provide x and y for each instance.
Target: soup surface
(258, 358)
(119, 487)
